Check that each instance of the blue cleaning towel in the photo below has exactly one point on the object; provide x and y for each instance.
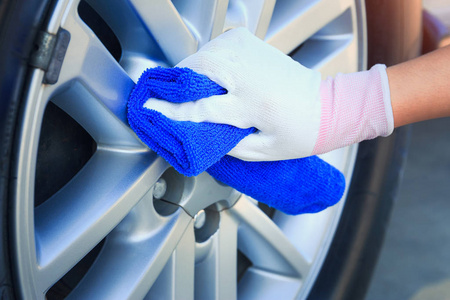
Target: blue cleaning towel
(296, 186)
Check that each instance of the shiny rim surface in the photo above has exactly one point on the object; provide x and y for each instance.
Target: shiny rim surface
(189, 249)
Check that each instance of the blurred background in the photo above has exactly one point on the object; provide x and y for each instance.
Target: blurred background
(415, 260)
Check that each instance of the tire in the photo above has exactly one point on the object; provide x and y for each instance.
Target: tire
(19, 21)
(343, 270)
(353, 255)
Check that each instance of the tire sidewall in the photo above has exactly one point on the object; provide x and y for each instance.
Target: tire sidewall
(19, 23)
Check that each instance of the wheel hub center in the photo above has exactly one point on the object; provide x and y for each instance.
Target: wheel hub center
(194, 194)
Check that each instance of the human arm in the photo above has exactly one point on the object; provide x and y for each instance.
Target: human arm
(420, 88)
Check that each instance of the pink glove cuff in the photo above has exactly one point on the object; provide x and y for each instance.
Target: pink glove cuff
(355, 107)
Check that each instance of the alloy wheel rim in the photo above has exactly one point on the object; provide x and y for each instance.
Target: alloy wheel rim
(162, 249)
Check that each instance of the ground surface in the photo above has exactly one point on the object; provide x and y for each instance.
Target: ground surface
(415, 260)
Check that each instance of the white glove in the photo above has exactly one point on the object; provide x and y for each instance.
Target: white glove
(282, 99)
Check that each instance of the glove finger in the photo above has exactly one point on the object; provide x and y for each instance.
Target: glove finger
(217, 66)
(222, 109)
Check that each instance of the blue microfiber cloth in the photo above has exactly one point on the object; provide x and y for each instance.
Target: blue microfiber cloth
(296, 186)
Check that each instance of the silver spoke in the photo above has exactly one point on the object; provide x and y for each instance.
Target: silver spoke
(261, 17)
(93, 88)
(127, 28)
(161, 17)
(294, 22)
(176, 280)
(336, 60)
(208, 21)
(330, 48)
(219, 17)
(82, 213)
(259, 237)
(261, 284)
(333, 55)
(134, 254)
(217, 268)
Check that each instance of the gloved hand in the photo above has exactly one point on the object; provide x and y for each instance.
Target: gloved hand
(295, 113)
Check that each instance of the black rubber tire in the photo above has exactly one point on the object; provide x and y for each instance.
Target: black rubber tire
(394, 36)
(19, 23)
(348, 267)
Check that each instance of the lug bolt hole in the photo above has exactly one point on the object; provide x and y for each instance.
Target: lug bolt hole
(160, 188)
(167, 192)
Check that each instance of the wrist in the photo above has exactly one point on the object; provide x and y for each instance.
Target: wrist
(354, 107)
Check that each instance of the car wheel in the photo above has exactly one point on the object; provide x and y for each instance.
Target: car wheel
(88, 211)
